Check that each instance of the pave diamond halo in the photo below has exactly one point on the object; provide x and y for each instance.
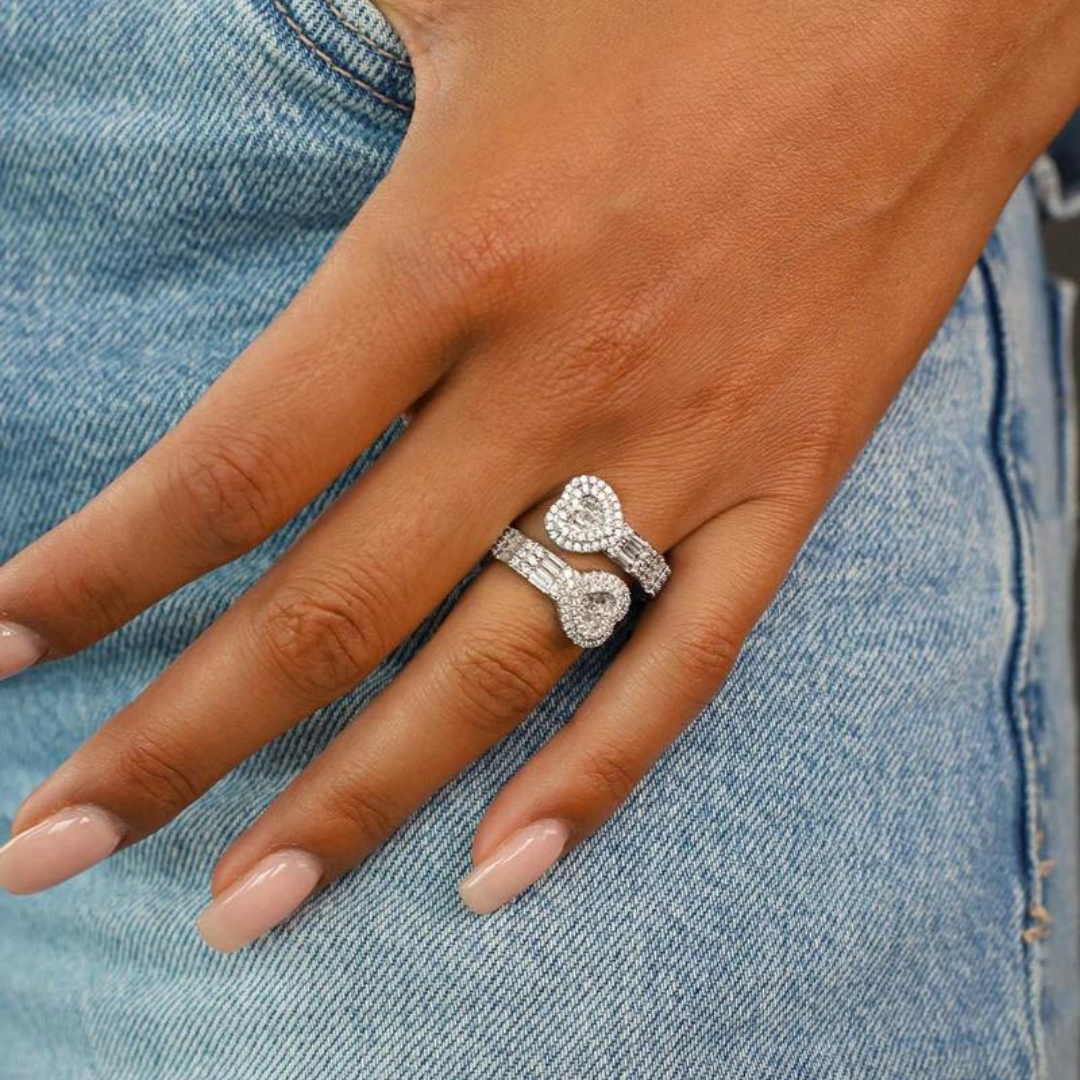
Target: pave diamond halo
(589, 603)
(588, 517)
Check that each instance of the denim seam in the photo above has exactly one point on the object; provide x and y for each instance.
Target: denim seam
(333, 64)
(365, 38)
(1018, 665)
(1063, 298)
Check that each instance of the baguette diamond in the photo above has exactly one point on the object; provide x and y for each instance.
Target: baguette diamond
(588, 517)
(590, 603)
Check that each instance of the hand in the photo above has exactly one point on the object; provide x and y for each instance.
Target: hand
(694, 250)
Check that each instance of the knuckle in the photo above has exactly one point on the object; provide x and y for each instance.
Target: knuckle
(699, 655)
(363, 815)
(487, 253)
(94, 601)
(501, 677)
(227, 495)
(621, 330)
(814, 452)
(823, 445)
(153, 770)
(614, 343)
(322, 639)
(608, 775)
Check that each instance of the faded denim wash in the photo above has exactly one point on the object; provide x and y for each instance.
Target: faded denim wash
(839, 873)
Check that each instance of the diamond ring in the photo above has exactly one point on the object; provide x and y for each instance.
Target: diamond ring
(588, 516)
(590, 603)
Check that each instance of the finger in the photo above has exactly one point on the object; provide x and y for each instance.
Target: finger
(498, 654)
(360, 342)
(723, 576)
(365, 575)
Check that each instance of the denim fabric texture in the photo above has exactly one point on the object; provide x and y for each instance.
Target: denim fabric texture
(839, 872)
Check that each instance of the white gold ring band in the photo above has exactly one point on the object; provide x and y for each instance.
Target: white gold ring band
(590, 603)
(588, 517)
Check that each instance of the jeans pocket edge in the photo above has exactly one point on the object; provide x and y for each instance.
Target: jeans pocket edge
(360, 54)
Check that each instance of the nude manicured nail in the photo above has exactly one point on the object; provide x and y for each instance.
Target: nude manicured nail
(515, 865)
(19, 648)
(271, 892)
(58, 848)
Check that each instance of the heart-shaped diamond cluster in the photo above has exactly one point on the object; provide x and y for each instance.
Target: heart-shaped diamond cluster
(586, 517)
(591, 604)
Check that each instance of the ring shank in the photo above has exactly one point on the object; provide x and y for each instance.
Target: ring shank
(640, 560)
(533, 561)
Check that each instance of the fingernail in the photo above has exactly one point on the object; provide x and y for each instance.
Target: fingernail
(515, 865)
(19, 648)
(270, 893)
(58, 848)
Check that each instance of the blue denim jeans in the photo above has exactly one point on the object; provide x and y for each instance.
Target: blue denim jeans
(841, 871)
